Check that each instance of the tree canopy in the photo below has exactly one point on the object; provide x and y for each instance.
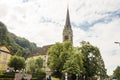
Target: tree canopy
(58, 54)
(84, 60)
(34, 65)
(17, 62)
(116, 73)
(64, 58)
(92, 62)
(74, 65)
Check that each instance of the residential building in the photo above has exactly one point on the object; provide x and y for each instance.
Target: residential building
(5, 56)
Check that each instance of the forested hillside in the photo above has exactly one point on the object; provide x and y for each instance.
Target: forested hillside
(17, 45)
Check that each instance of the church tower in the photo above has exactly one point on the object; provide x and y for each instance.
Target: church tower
(67, 32)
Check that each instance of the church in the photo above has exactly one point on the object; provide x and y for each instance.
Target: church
(67, 36)
(67, 32)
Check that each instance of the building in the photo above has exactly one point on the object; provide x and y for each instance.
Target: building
(67, 36)
(67, 32)
(5, 56)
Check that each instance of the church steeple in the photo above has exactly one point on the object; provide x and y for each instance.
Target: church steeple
(67, 24)
(67, 32)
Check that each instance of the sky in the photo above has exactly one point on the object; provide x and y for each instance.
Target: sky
(42, 22)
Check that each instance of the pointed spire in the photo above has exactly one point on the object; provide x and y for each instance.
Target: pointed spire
(67, 24)
(67, 31)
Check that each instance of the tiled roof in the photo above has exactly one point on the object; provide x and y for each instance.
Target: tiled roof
(41, 51)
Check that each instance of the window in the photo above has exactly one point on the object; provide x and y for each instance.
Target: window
(4, 62)
(66, 38)
(0, 53)
(5, 55)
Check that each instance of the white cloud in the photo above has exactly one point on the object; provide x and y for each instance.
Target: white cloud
(104, 36)
(42, 22)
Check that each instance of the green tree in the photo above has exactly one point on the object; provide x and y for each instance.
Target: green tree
(116, 73)
(17, 62)
(39, 63)
(74, 65)
(58, 54)
(31, 65)
(34, 65)
(92, 62)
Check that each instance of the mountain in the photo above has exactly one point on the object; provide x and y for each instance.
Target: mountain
(17, 45)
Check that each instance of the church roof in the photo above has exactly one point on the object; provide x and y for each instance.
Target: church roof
(41, 51)
(44, 49)
(67, 24)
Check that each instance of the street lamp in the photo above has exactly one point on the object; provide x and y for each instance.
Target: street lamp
(117, 43)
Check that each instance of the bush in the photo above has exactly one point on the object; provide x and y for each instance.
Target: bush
(34, 79)
(6, 78)
(7, 75)
(56, 74)
(39, 76)
(2, 71)
(53, 78)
